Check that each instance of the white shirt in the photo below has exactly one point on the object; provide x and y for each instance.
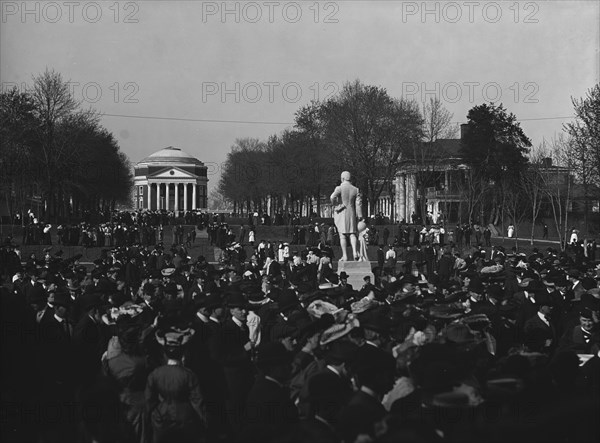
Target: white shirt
(253, 323)
(202, 317)
(543, 318)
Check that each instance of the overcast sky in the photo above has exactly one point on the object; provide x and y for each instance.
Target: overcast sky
(210, 72)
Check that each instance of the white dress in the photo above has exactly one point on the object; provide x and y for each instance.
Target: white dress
(574, 238)
(511, 231)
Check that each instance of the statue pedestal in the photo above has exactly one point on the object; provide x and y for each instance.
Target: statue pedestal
(356, 270)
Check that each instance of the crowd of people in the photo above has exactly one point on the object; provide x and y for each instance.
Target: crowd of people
(446, 344)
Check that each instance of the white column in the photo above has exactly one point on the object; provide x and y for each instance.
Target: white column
(185, 196)
(411, 205)
(177, 196)
(167, 196)
(194, 196)
(401, 195)
(148, 196)
(157, 196)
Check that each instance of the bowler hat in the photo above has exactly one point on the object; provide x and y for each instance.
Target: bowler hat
(210, 301)
(236, 300)
(341, 350)
(61, 298)
(343, 274)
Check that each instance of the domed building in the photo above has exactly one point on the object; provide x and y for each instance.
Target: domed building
(170, 179)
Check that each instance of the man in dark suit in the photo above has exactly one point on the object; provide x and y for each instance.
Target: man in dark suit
(272, 267)
(336, 363)
(380, 259)
(236, 358)
(539, 334)
(204, 358)
(344, 282)
(576, 285)
(57, 358)
(270, 412)
(88, 338)
(325, 403)
(582, 337)
(376, 378)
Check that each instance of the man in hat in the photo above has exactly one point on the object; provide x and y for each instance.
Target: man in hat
(581, 338)
(325, 404)
(56, 332)
(204, 358)
(344, 282)
(364, 410)
(291, 313)
(236, 356)
(539, 334)
(200, 286)
(338, 357)
(269, 410)
(89, 338)
(527, 299)
(576, 284)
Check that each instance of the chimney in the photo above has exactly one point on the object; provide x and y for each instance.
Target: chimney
(464, 129)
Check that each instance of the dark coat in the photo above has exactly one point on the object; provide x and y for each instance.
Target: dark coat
(360, 416)
(175, 403)
(538, 336)
(317, 431)
(237, 367)
(56, 355)
(270, 412)
(89, 343)
(573, 340)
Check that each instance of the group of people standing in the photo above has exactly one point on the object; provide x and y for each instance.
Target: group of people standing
(159, 346)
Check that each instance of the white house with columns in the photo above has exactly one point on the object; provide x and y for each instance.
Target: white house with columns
(172, 180)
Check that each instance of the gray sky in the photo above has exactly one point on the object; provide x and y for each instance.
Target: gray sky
(242, 69)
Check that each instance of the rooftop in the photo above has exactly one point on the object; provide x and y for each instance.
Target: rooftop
(171, 156)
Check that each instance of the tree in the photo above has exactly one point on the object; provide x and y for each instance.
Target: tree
(60, 150)
(437, 121)
(532, 183)
(585, 136)
(369, 130)
(17, 168)
(427, 157)
(494, 146)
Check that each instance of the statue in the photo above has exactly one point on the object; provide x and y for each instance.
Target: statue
(363, 240)
(347, 205)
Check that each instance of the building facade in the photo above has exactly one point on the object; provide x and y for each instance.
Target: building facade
(172, 180)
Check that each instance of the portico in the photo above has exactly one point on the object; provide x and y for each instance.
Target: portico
(170, 180)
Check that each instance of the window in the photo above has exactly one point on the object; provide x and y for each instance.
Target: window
(140, 190)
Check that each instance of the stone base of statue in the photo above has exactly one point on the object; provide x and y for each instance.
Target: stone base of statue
(201, 233)
(357, 271)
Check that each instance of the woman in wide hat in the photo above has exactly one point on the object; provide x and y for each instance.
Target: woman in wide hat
(175, 403)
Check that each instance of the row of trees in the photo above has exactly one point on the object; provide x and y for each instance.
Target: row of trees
(54, 151)
(362, 130)
(371, 134)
